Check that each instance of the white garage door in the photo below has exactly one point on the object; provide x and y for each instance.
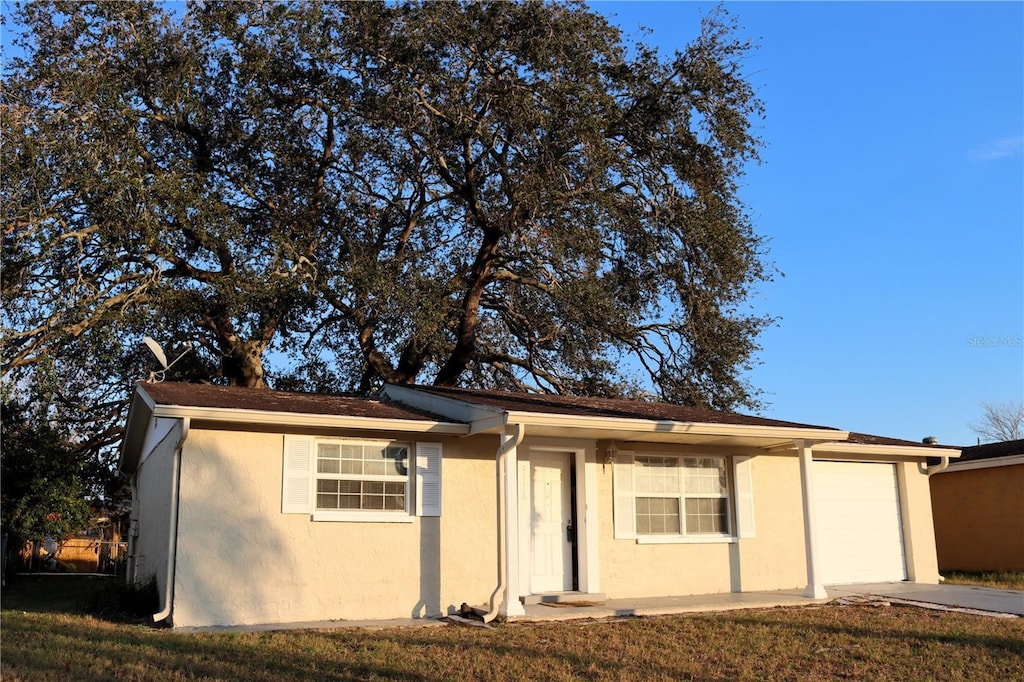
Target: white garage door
(860, 537)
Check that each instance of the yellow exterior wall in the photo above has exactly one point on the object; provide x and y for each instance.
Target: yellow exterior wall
(918, 530)
(240, 560)
(979, 518)
(774, 559)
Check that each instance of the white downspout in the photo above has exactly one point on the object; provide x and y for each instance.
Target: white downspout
(172, 539)
(936, 468)
(504, 447)
(133, 529)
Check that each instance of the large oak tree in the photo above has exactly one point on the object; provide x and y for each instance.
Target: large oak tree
(333, 195)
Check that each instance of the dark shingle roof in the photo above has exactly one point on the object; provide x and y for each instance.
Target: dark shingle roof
(233, 397)
(605, 407)
(1006, 448)
(868, 439)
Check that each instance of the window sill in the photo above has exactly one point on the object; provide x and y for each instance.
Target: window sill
(364, 517)
(685, 539)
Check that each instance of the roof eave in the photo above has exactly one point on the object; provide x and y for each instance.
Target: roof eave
(140, 411)
(659, 426)
(303, 419)
(843, 448)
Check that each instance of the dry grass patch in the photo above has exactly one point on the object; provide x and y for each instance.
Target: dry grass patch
(824, 642)
(1003, 580)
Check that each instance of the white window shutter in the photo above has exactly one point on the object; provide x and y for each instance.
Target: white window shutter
(297, 478)
(428, 479)
(744, 497)
(625, 503)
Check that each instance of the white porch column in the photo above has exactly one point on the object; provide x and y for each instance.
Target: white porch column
(510, 604)
(814, 590)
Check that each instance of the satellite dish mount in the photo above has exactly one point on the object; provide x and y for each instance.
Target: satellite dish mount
(161, 357)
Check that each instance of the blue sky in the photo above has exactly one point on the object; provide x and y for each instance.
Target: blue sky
(892, 190)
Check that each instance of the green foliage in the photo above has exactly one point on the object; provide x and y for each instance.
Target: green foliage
(494, 194)
(41, 479)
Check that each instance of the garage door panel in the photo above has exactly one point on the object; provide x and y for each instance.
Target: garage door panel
(859, 531)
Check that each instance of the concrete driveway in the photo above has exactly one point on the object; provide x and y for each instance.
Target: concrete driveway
(958, 596)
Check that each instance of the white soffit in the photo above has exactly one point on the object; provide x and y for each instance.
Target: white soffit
(855, 451)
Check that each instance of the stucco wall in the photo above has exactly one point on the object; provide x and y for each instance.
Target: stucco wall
(773, 559)
(979, 518)
(152, 506)
(918, 529)
(240, 560)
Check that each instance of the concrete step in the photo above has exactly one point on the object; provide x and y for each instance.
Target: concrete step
(562, 597)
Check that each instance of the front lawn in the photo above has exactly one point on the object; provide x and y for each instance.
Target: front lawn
(1004, 580)
(814, 642)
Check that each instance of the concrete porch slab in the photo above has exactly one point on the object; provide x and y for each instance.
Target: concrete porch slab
(661, 606)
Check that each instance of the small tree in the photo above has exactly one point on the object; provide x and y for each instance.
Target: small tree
(999, 422)
(42, 479)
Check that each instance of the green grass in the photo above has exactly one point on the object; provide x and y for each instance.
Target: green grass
(816, 642)
(1004, 580)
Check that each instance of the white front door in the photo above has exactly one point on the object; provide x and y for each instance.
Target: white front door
(550, 516)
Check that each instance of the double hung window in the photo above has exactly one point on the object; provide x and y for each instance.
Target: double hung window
(364, 475)
(349, 479)
(660, 497)
(681, 496)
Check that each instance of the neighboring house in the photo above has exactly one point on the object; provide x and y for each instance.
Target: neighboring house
(256, 506)
(99, 549)
(978, 505)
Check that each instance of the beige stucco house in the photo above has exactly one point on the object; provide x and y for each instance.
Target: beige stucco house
(978, 504)
(255, 506)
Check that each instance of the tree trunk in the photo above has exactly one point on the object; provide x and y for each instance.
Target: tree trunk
(244, 365)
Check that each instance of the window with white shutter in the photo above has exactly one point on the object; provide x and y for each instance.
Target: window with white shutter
(428, 479)
(338, 479)
(661, 498)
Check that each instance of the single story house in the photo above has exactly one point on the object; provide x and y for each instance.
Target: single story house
(978, 507)
(258, 506)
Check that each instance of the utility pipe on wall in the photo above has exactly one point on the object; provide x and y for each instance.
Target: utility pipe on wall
(507, 444)
(172, 539)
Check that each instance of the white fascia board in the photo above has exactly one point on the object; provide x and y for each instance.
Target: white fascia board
(140, 411)
(490, 424)
(866, 450)
(643, 426)
(297, 419)
(453, 408)
(983, 464)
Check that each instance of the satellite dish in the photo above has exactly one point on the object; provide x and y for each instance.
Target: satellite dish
(157, 350)
(161, 357)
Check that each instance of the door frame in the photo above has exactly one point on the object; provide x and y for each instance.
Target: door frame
(583, 496)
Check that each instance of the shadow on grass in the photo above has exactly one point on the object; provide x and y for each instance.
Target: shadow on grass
(104, 597)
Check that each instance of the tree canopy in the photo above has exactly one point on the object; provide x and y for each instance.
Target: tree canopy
(43, 479)
(333, 195)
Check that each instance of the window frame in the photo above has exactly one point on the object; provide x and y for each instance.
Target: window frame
(422, 485)
(353, 514)
(726, 464)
